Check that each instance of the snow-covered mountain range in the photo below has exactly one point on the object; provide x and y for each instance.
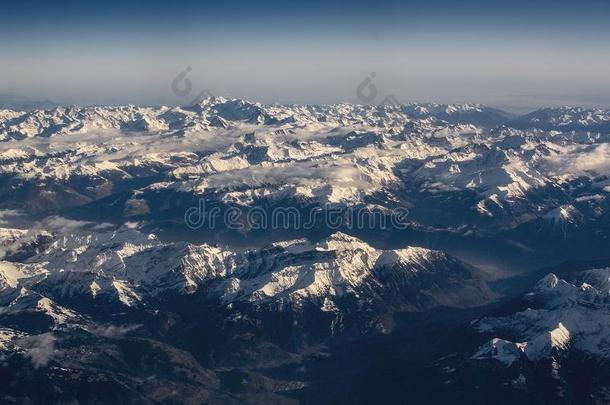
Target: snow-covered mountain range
(125, 268)
(104, 284)
(460, 164)
(566, 315)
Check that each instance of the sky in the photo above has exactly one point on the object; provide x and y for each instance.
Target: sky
(517, 55)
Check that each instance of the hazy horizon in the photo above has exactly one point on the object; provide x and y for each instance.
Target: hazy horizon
(516, 57)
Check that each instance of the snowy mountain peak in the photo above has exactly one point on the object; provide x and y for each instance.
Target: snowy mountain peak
(567, 316)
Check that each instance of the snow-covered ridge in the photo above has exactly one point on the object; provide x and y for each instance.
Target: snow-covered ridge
(243, 153)
(220, 112)
(465, 173)
(565, 118)
(217, 112)
(131, 267)
(567, 315)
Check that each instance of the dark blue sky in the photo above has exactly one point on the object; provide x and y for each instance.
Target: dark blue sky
(65, 11)
(511, 53)
(309, 16)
